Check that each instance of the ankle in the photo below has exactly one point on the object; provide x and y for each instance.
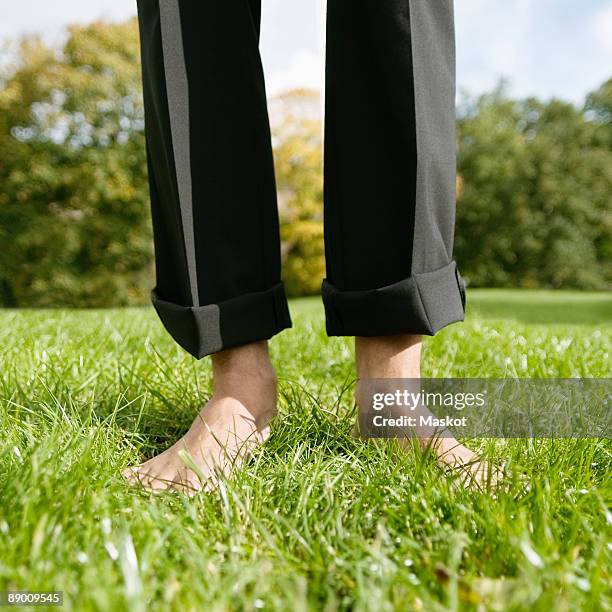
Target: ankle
(395, 356)
(247, 374)
(249, 362)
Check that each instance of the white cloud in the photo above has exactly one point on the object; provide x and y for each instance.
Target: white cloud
(42, 16)
(602, 27)
(492, 42)
(304, 69)
(544, 47)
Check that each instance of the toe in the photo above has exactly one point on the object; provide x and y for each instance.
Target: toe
(131, 474)
(156, 481)
(187, 482)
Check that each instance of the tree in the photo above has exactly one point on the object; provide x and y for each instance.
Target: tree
(534, 183)
(74, 215)
(297, 139)
(494, 172)
(534, 205)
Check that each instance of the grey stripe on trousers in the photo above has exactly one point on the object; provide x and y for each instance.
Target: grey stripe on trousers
(434, 91)
(177, 87)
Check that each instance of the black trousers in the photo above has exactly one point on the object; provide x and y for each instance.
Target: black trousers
(389, 171)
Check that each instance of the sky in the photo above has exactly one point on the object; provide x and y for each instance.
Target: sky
(546, 48)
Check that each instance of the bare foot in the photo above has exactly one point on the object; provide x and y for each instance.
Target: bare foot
(399, 356)
(228, 428)
(465, 465)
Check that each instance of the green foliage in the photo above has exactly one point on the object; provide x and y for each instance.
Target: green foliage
(296, 133)
(535, 182)
(74, 218)
(599, 109)
(535, 190)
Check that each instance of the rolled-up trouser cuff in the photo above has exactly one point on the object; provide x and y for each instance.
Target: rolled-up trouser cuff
(421, 304)
(212, 328)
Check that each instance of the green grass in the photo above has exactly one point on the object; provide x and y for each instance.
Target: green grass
(319, 520)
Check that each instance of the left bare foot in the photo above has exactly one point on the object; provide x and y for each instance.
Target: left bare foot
(399, 356)
(229, 427)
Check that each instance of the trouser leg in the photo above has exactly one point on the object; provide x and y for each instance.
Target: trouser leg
(390, 168)
(213, 194)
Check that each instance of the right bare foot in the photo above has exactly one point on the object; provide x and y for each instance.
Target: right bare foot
(399, 357)
(468, 469)
(228, 428)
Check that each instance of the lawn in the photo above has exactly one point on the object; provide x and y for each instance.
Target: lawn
(318, 520)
